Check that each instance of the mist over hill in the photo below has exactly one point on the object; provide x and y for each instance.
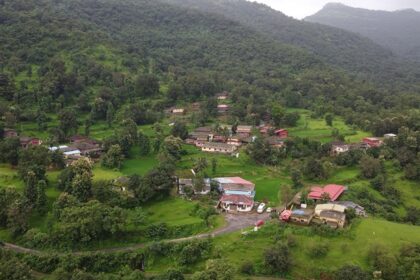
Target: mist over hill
(399, 31)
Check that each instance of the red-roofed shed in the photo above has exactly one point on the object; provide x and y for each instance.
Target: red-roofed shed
(282, 133)
(334, 191)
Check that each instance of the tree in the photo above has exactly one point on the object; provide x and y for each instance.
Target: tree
(277, 259)
(351, 272)
(12, 269)
(9, 151)
(17, 217)
(171, 149)
(144, 144)
(314, 169)
(68, 122)
(147, 85)
(31, 188)
(89, 221)
(200, 164)
(370, 167)
(110, 112)
(277, 114)
(41, 197)
(35, 159)
(214, 165)
(296, 175)
(113, 158)
(180, 130)
(79, 179)
(329, 119)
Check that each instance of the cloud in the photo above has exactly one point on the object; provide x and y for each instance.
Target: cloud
(302, 8)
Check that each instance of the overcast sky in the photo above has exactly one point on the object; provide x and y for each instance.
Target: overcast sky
(302, 8)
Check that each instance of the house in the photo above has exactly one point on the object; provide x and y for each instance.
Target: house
(67, 151)
(235, 186)
(372, 142)
(282, 133)
(275, 141)
(244, 130)
(195, 106)
(182, 184)
(236, 203)
(26, 142)
(223, 108)
(359, 210)
(265, 129)
(178, 111)
(390, 136)
(217, 148)
(339, 148)
(329, 207)
(302, 216)
(80, 138)
(235, 141)
(88, 149)
(222, 96)
(333, 191)
(332, 218)
(359, 146)
(10, 133)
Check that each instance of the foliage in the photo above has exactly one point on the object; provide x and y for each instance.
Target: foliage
(277, 259)
(113, 158)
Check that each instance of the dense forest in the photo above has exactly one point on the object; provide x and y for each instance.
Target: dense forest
(114, 70)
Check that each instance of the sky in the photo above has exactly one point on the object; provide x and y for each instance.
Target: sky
(302, 8)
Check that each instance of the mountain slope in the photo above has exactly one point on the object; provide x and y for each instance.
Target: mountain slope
(337, 47)
(398, 31)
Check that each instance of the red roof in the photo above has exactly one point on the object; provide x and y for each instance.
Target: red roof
(237, 199)
(334, 191)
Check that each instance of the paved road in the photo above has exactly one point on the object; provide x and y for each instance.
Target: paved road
(235, 222)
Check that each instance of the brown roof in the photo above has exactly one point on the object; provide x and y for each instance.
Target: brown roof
(237, 199)
(219, 146)
(332, 215)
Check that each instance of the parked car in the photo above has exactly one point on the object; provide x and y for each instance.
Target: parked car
(261, 208)
(269, 210)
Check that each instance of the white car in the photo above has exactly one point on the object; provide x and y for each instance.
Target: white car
(269, 210)
(261, 208)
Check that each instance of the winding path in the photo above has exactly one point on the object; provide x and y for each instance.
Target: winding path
(234, 223)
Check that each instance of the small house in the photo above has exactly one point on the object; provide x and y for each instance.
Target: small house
(189, 183)
(223, 108)
(222, 148)
(235, 186)
(302, 216)
(235, 141)
(67, 151)
(26, 142)
(275, 141)
(282, 133)
(10, 133)
(359, 210)
(333, 192)
(339, 148)
(390, 136)
(332, 218)
(222, 96)
(265, 129)
(372, 142)
(236, 203)
(329, 207)
(244, 130)
(178, 111)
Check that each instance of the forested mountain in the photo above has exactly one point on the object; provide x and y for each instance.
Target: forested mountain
(397, 30)
(337, 47)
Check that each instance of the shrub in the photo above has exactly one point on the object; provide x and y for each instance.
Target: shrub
(247, 268)
(318, 250)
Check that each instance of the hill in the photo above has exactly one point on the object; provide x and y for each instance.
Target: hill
(397, 30)
(337, 47)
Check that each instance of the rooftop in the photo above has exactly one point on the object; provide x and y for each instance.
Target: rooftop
(334, 191)
(237, 199)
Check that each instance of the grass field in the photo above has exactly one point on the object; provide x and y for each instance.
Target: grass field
(317, 129)
(351, 248)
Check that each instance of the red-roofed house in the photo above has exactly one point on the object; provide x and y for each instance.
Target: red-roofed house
(334, 191)
(282, 133)
(222, 108)
(372, 142)
(236, 203)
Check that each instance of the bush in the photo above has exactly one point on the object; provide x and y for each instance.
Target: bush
(277, 259)
(247, 268)
(318, 250)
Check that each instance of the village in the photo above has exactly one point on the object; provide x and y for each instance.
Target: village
(321, 204)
